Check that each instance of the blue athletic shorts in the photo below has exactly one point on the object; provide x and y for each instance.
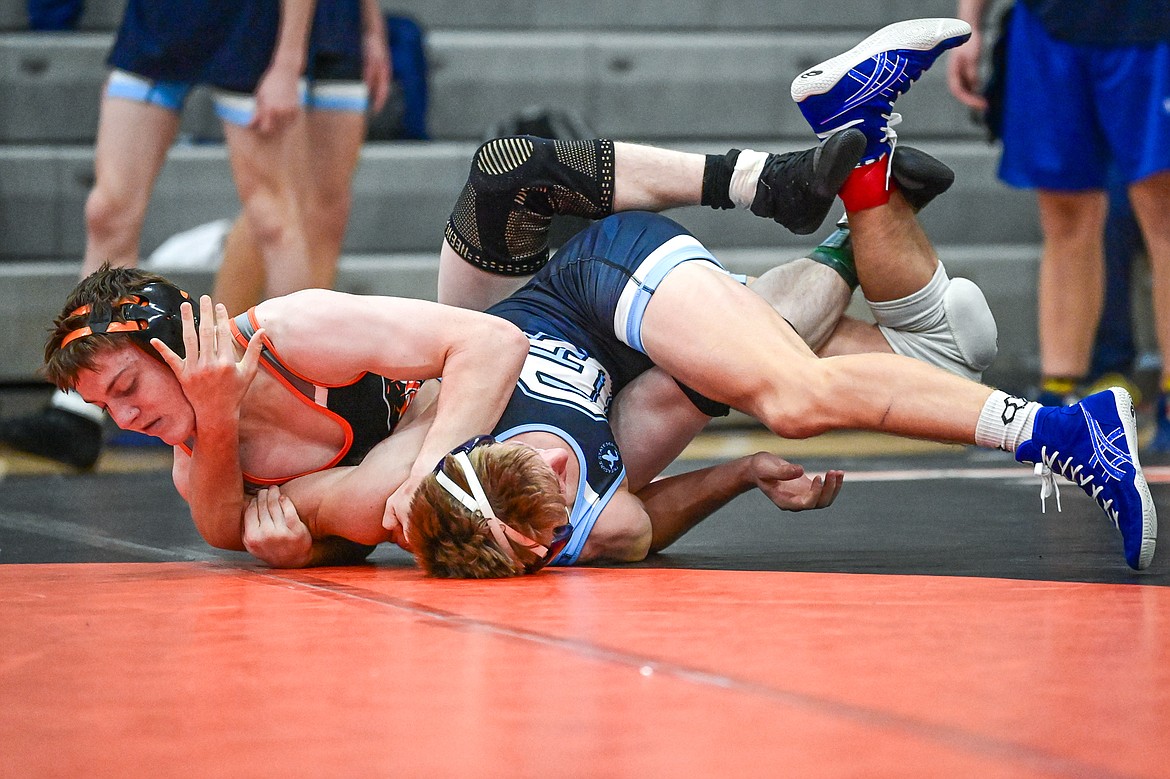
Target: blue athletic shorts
(236, 107)
(334, 80)
(1071, 110)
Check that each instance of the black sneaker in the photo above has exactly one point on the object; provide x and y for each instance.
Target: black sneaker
(797, 189)
(56, 434)
(921, 178)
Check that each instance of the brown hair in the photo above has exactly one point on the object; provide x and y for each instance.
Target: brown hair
(101, 288)
(452, 542)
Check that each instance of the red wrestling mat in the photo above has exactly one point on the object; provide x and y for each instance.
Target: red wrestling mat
(188, 669)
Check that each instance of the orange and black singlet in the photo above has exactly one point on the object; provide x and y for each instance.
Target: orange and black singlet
(368, 408)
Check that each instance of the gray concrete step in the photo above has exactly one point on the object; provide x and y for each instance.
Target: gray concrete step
(596, 14)
(402, 195)
(31, 294)
(644, 85)
(403, 192)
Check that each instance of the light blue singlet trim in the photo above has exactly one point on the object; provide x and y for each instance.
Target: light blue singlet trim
(165, 94)
(646, 286)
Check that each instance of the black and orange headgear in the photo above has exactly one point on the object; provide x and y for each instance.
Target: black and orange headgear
(152, 312)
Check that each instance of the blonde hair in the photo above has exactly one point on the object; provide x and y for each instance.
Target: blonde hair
(449, 541)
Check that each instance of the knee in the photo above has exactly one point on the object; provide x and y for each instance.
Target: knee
(972, 325)
(796, 419)
(501, 165)
(269, 217)
(1073, 218)
(796, 410)
(109, 212)
(947, 324)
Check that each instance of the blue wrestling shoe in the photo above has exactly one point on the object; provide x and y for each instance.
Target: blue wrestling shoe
(858, 88)
(1093, 444)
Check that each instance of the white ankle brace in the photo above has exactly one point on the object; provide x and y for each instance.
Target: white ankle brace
(745, 177)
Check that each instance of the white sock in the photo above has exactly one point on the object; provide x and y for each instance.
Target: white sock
(1005, 422)
(746, 176)
(72, 402)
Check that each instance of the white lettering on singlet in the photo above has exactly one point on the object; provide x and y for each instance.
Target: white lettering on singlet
(558, 372)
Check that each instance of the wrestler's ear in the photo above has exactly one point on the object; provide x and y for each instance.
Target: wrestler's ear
(557, 459)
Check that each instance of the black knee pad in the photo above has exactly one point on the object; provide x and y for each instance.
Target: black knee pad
(515, 187)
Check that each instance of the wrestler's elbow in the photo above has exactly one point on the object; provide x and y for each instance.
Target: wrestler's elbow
(512, 341)
(627, 544)
(231, 539)
(224, 541)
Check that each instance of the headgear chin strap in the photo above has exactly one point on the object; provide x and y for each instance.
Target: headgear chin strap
(152, 312)
(477, 503)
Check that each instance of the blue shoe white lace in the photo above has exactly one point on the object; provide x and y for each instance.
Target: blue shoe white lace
(858, 88)
(1093, 445)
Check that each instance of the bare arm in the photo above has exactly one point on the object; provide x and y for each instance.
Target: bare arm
(678, 503)
(214, 493)
(333, 517)
(634, 525)
(275, 533)
(277, 94)
(334, 337)
(963, 76)
(214, 382)
(376, 66)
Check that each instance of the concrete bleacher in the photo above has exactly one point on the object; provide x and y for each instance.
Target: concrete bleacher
(630, 85)
(702, 75)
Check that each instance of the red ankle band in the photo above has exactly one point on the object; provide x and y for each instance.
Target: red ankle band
(866, 186)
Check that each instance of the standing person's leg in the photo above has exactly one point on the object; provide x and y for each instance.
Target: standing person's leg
(1151, 200)
(334, 141)
(1132, 85)
(239, 282)
(1070, 287)
(133, 136)
(270, 170)
(1115, 349)
(1053, 143)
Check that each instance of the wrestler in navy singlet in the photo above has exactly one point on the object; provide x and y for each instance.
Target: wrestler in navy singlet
(582, 313)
